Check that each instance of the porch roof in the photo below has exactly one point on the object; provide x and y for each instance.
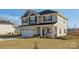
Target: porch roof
(38, 24)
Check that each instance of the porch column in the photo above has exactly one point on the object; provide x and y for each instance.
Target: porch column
(35, 31)
(53, 31)
(41, 31)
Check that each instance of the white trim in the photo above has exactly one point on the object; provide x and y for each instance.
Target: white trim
(31, 13)
(32, 19)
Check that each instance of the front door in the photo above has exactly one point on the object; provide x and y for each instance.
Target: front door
(43, 32)
(38, 31)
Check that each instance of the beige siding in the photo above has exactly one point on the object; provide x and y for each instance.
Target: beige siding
(61, 25)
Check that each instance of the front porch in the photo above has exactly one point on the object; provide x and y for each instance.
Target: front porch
(45, 31)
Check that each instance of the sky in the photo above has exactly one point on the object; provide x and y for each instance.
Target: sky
(14, 15)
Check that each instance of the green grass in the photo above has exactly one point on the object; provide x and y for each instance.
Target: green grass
(40, 43)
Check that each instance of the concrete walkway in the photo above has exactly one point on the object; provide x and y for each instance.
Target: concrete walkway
(3, 39)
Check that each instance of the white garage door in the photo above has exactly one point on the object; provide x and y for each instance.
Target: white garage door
(27, 32)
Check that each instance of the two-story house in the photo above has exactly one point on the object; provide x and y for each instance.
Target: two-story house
(46, 23)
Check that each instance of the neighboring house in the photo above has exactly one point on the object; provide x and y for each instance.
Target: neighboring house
(47, 23)
(7, 28)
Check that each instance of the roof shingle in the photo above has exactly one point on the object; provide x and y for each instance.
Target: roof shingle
(47, 12)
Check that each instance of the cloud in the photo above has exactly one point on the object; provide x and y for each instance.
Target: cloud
(13, 19)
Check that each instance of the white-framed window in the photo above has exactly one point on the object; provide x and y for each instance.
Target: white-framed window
(47, 18)
(32, 19)
(63, 21)
(49, 30)
(64, 30)
(25, 20)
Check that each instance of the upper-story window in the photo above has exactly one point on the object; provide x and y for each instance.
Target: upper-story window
(63, 21)
(47, 18)
(25, 20)
(32, 19)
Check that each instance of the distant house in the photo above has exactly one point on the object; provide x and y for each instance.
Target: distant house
(47, 23)
(7, 27)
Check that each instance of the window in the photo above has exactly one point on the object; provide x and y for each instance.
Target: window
(64, 30)
(59, 30)
(47, 18)
(49, 30)
(63, 21)
(40, 17)
(25, 20)
(32, 19)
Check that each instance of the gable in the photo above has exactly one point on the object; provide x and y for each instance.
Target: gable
(32, 14)
(26, 14)
(29, 13)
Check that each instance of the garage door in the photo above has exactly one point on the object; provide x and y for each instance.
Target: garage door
(27, 32)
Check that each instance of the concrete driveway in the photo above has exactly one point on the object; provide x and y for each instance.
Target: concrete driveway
(3, 39)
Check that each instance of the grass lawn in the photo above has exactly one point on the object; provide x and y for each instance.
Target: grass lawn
(18, 43)
(40, 43)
